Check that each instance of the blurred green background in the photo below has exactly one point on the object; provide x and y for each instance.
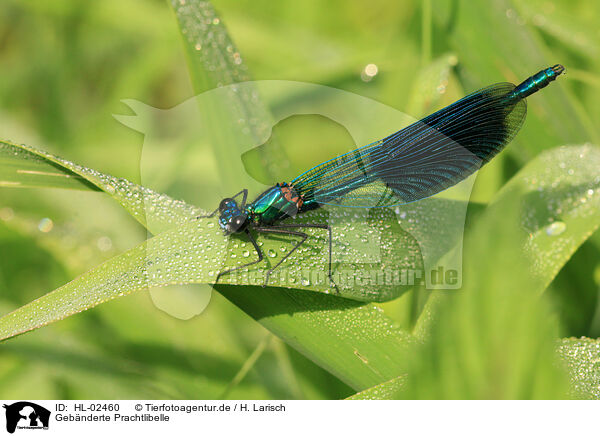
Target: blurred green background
(66, 65)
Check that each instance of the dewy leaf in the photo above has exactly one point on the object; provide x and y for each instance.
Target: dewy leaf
(582, 357)
(356, 342)
(368, 346)
(149, 264)
(20, 168)
(560, 192)
(192, 253)
(239, 119)
(384, 391)
(158, 212)
(495, 338)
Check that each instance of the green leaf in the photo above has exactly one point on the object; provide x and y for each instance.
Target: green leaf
(20, 168)
(384, 391)
(190, 253)
(560, 194)
(513, 52)
(314, 324)
(560, 200)
(581, 357)
(575, 31)
(157, 212)
(355, 342)
(495, 339)
(241, 118)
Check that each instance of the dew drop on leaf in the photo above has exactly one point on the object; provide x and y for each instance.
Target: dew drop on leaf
(556, 228)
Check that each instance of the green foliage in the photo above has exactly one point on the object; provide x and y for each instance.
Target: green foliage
(495, 338)
(581, 357)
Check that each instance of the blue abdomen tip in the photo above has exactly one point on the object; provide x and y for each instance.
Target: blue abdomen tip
(537, 81)
(558, 69)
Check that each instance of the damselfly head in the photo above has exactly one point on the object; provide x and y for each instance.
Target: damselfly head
(226, 204)
(231, 218)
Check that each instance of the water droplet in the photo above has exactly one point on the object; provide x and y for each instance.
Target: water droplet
(104, 243)
(556, 228)
(45, 225)
(271, 253)
(369, 72)
(246, 253)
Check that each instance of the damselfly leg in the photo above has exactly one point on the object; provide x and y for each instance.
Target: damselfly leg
(256, 248)
(282, 229)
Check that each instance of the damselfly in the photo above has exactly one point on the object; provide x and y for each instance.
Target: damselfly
(416, 162)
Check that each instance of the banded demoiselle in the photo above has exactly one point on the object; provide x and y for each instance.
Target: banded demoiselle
(414, 163)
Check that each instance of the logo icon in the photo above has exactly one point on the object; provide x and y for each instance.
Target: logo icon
(26, 415)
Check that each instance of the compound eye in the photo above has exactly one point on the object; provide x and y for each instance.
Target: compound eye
(225, 203)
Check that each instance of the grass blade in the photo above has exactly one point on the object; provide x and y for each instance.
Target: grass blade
(384, 391)
(581, 357)
(157, 212)
(369, 348)
(561, 201)
(554, 117)
(21, 168)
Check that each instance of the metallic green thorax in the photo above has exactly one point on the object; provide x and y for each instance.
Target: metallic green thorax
(274, 204)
